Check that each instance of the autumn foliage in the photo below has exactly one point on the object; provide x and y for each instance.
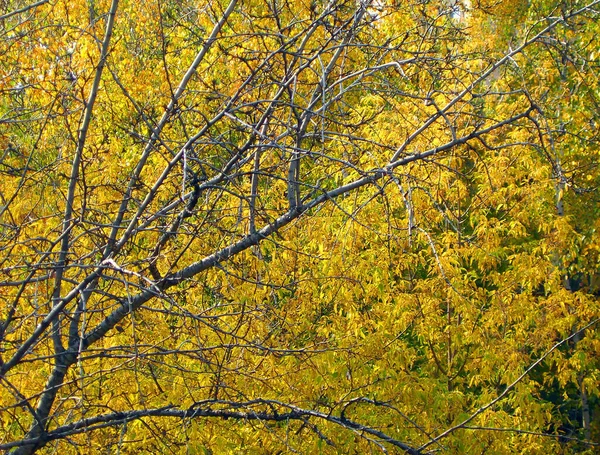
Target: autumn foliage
(299, 227)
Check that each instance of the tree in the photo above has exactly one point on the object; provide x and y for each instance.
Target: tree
(262, 226)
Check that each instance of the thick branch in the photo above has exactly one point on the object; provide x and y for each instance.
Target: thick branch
(228, 410)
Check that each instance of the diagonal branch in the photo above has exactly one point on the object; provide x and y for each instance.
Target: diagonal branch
(23, 10)
(511, 386)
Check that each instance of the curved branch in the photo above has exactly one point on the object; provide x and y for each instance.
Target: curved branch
(228, 410)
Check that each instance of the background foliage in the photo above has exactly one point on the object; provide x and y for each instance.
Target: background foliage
(314, 227)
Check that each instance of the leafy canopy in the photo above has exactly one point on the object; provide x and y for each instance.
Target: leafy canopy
(315, 227)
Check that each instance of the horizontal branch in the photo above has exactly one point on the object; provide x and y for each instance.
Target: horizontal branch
(228, 410)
